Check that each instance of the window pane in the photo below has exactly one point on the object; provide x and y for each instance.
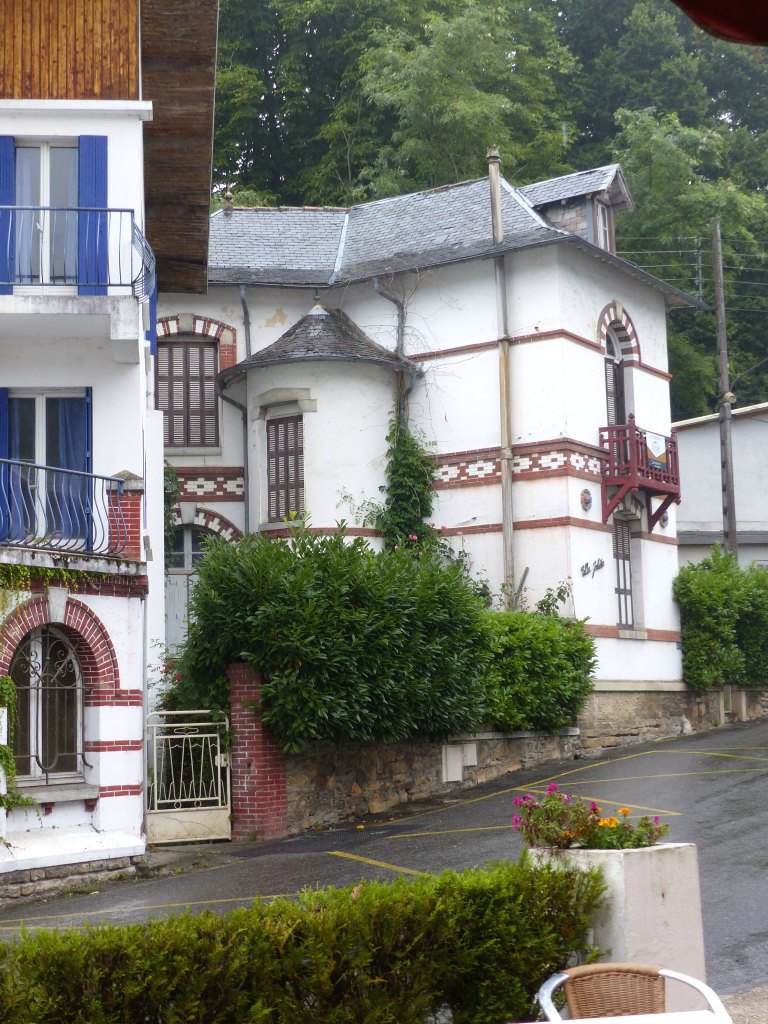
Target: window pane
(28, 222)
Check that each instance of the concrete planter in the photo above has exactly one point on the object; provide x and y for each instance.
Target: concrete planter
(651, 912)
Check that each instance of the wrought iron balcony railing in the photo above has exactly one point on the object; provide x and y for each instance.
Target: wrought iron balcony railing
(98, 251)
(51, 509)
(635, 461)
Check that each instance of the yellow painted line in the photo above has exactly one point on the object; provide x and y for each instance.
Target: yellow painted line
(450, 831)
(650, 776)
(32, 922)
(716, 753)
(376, 863)
(618, 803)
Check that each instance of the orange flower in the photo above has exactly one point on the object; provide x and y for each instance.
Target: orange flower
(624, 810)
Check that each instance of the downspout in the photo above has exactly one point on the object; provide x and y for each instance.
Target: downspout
(246, 475)
(246, 321)
(505, 397)
(403, 388)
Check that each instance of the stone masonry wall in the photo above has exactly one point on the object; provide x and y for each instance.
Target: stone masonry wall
(274, 794)
(330, 783)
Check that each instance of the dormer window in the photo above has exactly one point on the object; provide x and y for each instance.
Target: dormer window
(604, 226)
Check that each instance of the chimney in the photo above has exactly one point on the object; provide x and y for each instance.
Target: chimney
(494, 181)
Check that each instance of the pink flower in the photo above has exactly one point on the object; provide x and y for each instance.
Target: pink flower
(412, 536)
(553, 788)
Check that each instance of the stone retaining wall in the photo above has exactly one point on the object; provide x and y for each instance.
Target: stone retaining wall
(330, 783)
(41, 882)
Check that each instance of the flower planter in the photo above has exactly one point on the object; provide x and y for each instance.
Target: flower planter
(651, 912)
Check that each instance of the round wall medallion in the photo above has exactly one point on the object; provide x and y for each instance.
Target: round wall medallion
(586, 499)
(664, 520)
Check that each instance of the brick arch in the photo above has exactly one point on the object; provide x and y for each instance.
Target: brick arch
(206, 327)
(215, 522)
(616, 317)
(82, 627)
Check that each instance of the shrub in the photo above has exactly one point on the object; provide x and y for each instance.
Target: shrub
(478, 943)
(541, 669)
(724, 622)
(351, 645)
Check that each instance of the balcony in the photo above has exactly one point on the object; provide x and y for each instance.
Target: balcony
(47, 509)
(635, 461)
(91, 250)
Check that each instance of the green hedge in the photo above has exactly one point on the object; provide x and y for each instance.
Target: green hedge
(724, 622)
(479, 943)
(351, 645)
(541, 669)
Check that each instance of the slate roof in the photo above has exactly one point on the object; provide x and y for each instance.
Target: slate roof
(301, 246)
(276, 245)
(322, 335)
(306, 246)
(581, 183)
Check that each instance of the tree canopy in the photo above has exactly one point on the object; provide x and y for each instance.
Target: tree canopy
(331, 102)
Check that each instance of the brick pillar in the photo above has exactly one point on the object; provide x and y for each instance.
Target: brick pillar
(257, 764)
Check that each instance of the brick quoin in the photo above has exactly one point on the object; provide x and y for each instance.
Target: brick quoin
(257, 765)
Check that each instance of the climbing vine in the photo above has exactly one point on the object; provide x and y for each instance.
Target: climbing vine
(171, 496)
(12, 798)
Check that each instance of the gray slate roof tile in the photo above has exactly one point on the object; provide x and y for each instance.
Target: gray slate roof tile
(323, 334)
(569, 186)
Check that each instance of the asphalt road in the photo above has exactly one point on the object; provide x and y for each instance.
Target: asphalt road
(712, 789)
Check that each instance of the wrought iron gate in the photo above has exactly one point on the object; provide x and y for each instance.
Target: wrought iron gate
(188, 777)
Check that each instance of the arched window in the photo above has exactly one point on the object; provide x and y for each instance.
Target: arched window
(48, 731)
(615, 391)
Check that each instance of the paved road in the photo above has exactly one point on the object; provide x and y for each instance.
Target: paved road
(713, 789)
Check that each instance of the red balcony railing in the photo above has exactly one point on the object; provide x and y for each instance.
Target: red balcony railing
(635, 461)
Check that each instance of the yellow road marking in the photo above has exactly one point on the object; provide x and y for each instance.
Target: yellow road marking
(32, 922)
(449, 831)
(618, 803)
(376, 863)
(652, 775)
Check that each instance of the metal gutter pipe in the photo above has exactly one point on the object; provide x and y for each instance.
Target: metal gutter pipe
(505, 396)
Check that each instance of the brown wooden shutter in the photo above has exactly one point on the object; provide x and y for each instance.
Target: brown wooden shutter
(614, 392)
(186, 393)
(285, 467)
(622, 541)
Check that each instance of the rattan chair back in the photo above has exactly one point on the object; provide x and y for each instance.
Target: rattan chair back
(614, 990)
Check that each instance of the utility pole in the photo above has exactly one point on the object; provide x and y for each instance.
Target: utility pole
(730, 531)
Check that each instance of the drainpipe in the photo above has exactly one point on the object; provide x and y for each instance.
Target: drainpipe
(246, 475)
(246, 321)
(505, 398)
(403, 390)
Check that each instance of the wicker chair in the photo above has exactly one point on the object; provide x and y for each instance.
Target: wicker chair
(618, 990)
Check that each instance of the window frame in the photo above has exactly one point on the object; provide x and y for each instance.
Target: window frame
(622, 558)
(206, 383)
(286, 495)
(35, 715)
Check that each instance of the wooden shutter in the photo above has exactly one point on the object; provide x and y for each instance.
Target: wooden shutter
(285, 467)
(92, 238)
(622, 540)
(186, 393)
(614, 392)
(7, 198)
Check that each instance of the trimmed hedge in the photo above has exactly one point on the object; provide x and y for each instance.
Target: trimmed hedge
(541, 669)
(724, 622)
(479, 943)
(351, 645)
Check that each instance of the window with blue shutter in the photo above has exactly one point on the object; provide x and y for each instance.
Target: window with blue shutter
(93, 240)
(7, 198)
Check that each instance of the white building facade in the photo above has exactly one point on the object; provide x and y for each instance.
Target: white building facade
(533, 362)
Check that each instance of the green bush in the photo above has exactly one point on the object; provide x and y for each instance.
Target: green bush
(724, 622)
(541, 670)
(478, 943)
(351, 644)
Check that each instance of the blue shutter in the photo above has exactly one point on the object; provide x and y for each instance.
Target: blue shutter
(7, 198)
(5, 501)
(151, 333)
(92, 241)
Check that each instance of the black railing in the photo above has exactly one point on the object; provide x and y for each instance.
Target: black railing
(92, 249)
(45, 508)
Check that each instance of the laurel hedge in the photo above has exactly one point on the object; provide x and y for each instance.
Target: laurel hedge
(477, 944)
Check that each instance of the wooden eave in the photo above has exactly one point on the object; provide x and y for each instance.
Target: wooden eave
(178, 71)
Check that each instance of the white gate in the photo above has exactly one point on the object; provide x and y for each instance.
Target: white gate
(188, 777)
